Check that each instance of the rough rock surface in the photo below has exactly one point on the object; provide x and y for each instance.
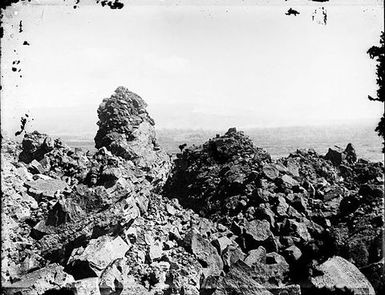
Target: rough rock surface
(228, 221)
(35, 145)
(127, 130)
(340, 274)
(98, 254)
(37, 282)
(211, 178)
(301, 209)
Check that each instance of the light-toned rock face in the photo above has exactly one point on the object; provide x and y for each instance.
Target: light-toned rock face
(340, 274)
(40, 281)
(99, 253)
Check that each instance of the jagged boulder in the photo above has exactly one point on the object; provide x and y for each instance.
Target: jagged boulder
(238, 281)
(339, 276)
(45, 187)
(204, 251)
(51, 277)
(338, 156)
(34, 146)
(99, 253)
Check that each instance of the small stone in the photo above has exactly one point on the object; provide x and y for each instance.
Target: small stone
(292, 167)
(232, 254)
(168, 245)
(299, 203)
(289, 181)
(256, 256)
(131, 234)
(221, 227)
(155, 252)
(170, 209)
(35, 167)
(264, 212)
(298, 228)
(293, 252)
(222, 243)
(270, 171)
(88, 286)
(282, 206)
(332, 192)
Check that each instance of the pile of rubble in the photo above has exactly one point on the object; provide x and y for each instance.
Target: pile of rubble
(304, 208)
(57, 200)
(227, 220)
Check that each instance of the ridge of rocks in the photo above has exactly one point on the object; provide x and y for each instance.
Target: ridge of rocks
(224, 219)
(305, 207)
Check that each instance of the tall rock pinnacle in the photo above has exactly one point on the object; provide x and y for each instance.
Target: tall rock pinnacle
(127, 130)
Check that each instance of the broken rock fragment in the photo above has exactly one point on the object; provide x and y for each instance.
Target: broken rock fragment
(257, 230)
(34, 146)
(239, 281)
(270, 171)
(222, 243)
(205, 252)
(256, 256)
(45, 188)
(339, 275)
(335, 156)
(51, 277)
(96, 256)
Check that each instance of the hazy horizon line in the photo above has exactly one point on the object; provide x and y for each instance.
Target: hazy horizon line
(367, 122)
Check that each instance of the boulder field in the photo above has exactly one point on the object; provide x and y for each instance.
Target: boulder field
(220, 218)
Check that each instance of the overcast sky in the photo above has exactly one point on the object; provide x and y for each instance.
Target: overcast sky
(197, 66)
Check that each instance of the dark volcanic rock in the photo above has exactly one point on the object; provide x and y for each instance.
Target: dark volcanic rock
(336, 156)
(127, 130)
(121, 114)
(220, 177)
(34, 146)
(101, 216)
(204, 251)
(305, 207)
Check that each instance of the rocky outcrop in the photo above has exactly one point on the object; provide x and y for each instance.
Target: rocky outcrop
(57, 201)
(127, 130)
(338, 156)
(211, 178)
